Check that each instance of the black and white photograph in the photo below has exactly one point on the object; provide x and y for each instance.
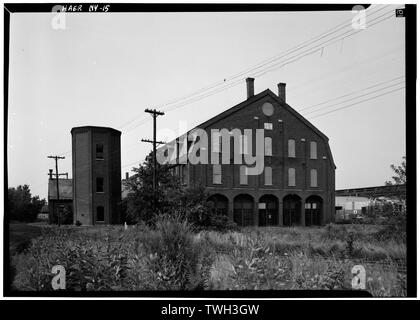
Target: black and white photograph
(209, 150)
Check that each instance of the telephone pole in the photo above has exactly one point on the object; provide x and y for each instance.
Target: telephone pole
(60, 174)
(56, 158)
(155, 113)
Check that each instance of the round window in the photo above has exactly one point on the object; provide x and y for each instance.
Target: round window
(268, 109)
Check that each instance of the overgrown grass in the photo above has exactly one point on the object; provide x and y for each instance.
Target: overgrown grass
(172, 256)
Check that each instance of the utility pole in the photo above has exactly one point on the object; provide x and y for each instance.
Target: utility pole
(56, 158)
(60, 174)
(155, 113)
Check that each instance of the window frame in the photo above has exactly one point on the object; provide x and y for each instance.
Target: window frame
(291, 154)
(268, 172)
(243, 177)
(268, 146)
(103, 213)
(100, 184)
(268, 126)
(99, 155)
(216, 140)
(314, 178)
(313, 150)
(289, 175)
(217, 174)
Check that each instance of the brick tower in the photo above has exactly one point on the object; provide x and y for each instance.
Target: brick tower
(96, 155)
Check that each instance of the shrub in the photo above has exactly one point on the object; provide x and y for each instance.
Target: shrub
(66, 215)
(167, 257)
(179, 262)
(21, 205)
(334, 232)
(395, 220)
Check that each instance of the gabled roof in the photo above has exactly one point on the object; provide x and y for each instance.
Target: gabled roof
(257, 97)
(65, 186)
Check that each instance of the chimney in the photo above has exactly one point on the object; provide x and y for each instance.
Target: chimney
(282, 91)
(51, 174)
(250, 87)
(126, 175)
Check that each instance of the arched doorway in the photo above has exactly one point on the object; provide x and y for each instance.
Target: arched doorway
(243, 210)
(313, 210)
(268, 210)
(291, 210)
(220, 203)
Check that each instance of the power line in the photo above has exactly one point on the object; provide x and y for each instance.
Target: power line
(257, 66)
(347, 106)
(205, 94)
(269, 60)
(341, 72)
(320, 46)
(368, 93)
(265, 62)
(270, 68)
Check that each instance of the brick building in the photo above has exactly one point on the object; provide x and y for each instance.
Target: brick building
(298, 182)
(96, 156)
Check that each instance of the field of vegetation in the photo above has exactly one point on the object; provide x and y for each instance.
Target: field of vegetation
(173, 256)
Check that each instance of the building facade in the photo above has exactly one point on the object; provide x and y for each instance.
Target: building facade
(96, 157)
(297, 184)
(63, 205)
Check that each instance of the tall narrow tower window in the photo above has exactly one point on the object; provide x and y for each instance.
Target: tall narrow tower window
(100, 214)
(99, 151)
(99, 184)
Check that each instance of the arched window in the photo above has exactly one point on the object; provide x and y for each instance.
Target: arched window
(100, 214)
(268, 146)
(291, 148)
(292, 177)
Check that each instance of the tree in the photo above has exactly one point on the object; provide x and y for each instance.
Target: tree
(395, 213)
(21, 205)
(139, 202)
(400, 174)
(188, 202)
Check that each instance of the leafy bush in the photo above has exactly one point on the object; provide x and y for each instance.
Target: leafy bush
(164, 258)
(172, 196)
(170, 256)
(179, 261)
(334, 232)
(21, 205)
(395, 220)
(66, 215)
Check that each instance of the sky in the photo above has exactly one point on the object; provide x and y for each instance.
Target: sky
(104, 69)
